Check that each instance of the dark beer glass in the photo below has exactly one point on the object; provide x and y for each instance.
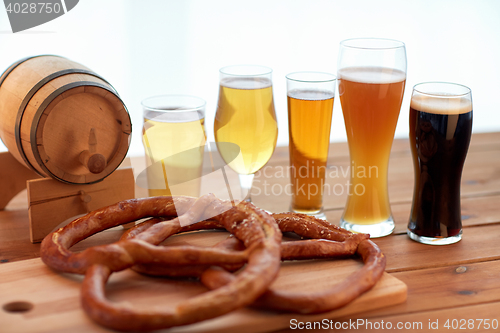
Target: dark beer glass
(372, 78)
(440, 131)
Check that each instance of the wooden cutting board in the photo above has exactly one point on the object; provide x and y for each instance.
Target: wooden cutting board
(56, 304)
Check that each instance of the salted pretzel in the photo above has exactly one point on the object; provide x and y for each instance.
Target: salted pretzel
(255, 229)
(323, 245)
(331, 241)
(231, 243)
(314, 302)
(328, 241)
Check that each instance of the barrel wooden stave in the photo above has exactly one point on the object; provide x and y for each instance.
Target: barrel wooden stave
(53, 133)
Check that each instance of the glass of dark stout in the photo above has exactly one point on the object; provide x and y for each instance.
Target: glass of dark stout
(440, 132)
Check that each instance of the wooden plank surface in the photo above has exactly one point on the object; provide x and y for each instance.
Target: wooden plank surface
(442, 293)
(447, 286)
(52, 202)
(14, 176)
(457, 281)
(478, 244)
(55, 296)
(459, 319)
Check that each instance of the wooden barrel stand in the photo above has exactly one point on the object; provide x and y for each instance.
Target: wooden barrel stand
(64, 123)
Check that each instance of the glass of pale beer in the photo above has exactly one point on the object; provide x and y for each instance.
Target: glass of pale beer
(310, 104)
(174, 139)
(371, 76)
(440, 132)
(246, 117)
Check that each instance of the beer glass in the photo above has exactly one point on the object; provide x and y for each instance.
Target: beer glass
(310, 104)
(245, 116)
(371, 76)
(440, 131)
(174, 139)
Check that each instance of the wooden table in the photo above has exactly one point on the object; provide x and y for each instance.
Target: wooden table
(456, 284)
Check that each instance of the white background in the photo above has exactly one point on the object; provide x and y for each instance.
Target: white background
(151, 47)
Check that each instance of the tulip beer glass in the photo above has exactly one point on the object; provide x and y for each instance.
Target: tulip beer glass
(440, 132)
(310, 106)
(245, 117)
(371, 76)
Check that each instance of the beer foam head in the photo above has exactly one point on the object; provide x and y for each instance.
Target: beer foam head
(372, 74)
(246, 82)
(173, 108)
(311, 95)
(442, 104)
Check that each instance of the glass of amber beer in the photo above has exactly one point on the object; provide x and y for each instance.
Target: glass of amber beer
(371, 76)
(310, 106)
(174, 139)
(440, 131)
(246, 118)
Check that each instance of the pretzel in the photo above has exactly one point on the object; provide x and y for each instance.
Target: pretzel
(321, 301)
(326, 300)
(154, 269)
(335, 242)
(256, 229)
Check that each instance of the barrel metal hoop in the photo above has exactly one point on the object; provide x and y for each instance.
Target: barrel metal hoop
(19, 62)
(39, 112)
(27, 99)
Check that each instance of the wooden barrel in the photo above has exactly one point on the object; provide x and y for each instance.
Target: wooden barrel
(62, 120)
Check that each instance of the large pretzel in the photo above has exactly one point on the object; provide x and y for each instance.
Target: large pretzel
(321, 301)
(231, 243)
(329, 242)
(256, 229)
(314, 302)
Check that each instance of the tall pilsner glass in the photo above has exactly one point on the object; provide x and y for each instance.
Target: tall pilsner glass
(371, 76)
(440, 131)
(245, 116)
(310, 106)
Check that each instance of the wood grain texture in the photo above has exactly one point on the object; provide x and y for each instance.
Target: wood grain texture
(458, 281)
(455, 317)
(55, 297)
(442, 293)
(478, 244)
(13, 177)
(52, 202)
(54, 103)
(422, 321)
(447, 286)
